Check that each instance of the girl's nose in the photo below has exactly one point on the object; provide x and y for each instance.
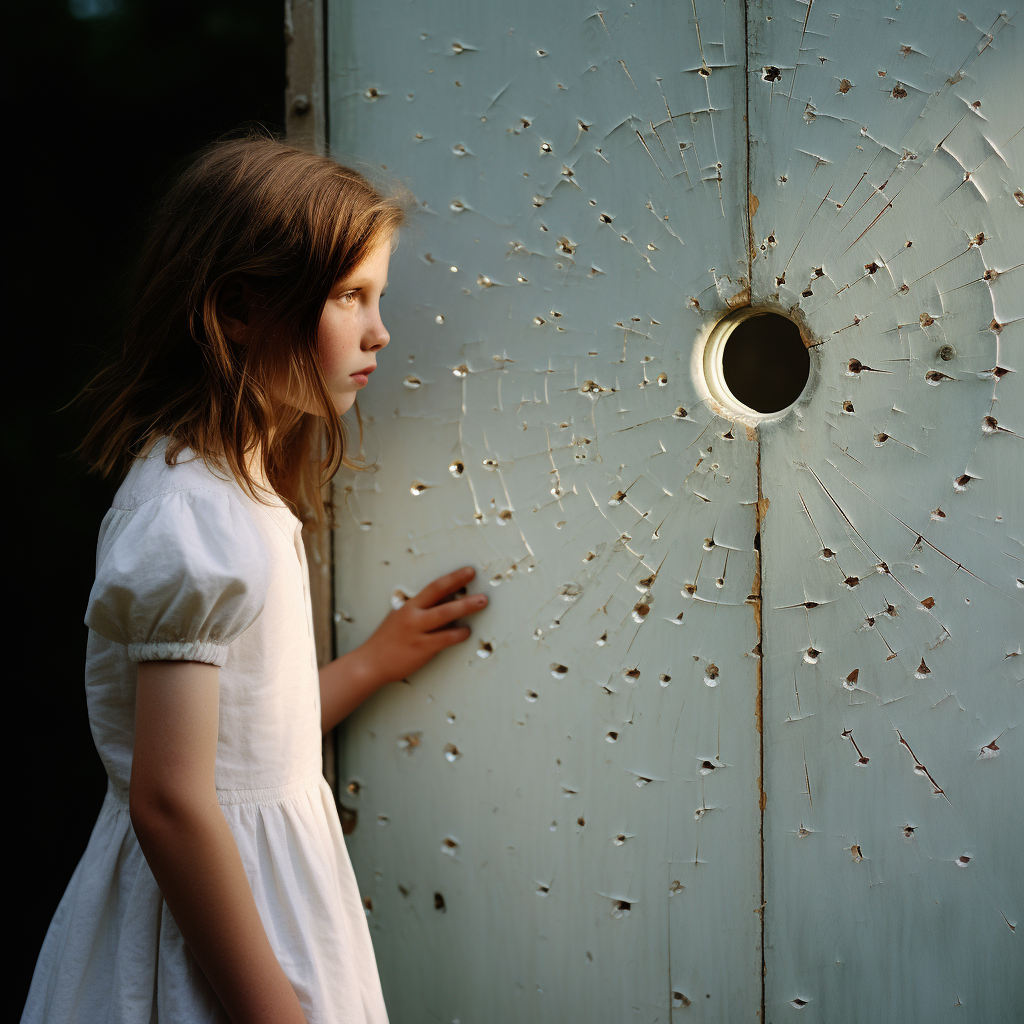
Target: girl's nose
(377, 337)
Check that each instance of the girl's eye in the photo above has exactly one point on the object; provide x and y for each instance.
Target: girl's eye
(348, 297)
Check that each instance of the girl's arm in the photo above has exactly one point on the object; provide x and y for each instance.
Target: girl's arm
(189, 846)
(405, 641)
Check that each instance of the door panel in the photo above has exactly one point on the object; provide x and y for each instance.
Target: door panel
(561, 819)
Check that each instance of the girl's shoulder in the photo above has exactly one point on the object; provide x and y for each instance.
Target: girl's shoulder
(151, 477)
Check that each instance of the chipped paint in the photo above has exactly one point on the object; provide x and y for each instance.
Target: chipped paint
(587, 826)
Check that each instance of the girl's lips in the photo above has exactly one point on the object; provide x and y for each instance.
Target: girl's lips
(361, 379)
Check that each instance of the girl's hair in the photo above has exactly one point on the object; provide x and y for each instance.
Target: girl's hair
(279, 226)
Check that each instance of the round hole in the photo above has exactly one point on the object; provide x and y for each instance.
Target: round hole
(756, 362)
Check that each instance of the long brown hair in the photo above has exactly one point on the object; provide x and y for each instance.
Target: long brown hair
(286, 224)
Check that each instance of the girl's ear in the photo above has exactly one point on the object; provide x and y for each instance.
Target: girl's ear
(234, 308)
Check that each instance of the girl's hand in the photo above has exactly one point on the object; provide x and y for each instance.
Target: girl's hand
(411, 635)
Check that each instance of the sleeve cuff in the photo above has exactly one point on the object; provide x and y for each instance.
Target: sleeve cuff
(179, 650)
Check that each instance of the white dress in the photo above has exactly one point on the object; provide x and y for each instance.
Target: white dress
(189, 567)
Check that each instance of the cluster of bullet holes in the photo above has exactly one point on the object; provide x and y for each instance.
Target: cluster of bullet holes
(756, 361)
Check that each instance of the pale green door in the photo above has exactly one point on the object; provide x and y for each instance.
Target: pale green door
(562, 819)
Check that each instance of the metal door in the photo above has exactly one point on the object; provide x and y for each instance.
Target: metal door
(564, 819)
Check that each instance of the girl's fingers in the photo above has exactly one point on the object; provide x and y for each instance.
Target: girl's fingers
(443, 586)
(441, 614)
(449, 637)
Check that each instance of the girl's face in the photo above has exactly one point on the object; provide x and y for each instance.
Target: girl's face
(350, 332)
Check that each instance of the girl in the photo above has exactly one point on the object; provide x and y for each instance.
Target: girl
(216, 885)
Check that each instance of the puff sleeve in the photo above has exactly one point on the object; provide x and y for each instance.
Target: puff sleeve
(178, 577)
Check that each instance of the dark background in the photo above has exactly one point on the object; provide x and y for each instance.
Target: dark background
(112, 96)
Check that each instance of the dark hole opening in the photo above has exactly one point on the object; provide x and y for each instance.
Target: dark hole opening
(765, 362)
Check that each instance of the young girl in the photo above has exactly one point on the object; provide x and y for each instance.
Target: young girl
(216, 885)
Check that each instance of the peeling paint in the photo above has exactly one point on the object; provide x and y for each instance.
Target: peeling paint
(736, 755)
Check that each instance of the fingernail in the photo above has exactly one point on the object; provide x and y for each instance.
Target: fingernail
(480, 599)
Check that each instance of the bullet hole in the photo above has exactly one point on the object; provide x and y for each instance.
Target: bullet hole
(439, 319)
(926, 319)
(620, 909)
(461, 371)
(640, 611)
(559, 671)
(928, 602)
(545, 147)
(923, 671)
(704, 72)
(531, 696)
(617, 498)
(770, 73)
(418, 488)
(947, 352)
(850, 682)
(708, 543)
(459, 149)
(409, 742)
(1018, 194)
(880, 439)
(935, 378)
(489, 464)
(856, 853)
(855, 366)
(368, 904)
(582, 127)
(806, 293)
(706, 768)
(542, 53)
(664, 679)
(372, 93)
(848, 407)
(758, 361)
(898, 91)
(961, 482)
(689, 589)
(679, 413)
(811, 656)
(662, 379)
(451, 752)
(979, 239)
(826, 554)
(382, 819)
(564, 245)
(567, 171)
(485, 650)
(711, 674)
(845, 85)
(963, 860)
(908, 831)
(871, 267)
(682, 146)
(679, 1000)
(456, 206)
(398, 598)
(354, 787)
(449, 846)
(809, 113)
(611, 737)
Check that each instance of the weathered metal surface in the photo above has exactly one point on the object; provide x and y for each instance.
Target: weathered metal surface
(541, 833)
(885, 157)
